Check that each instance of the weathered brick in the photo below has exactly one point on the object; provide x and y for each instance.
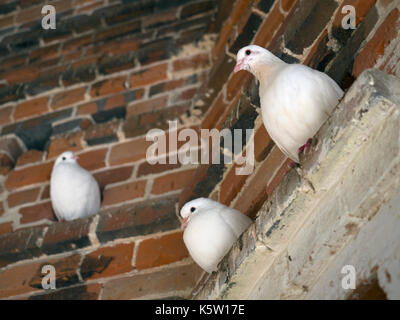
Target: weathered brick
(375, 48)
(30, 175)
(247, 33)
(197, 8)
(29, 157)
(159, 251)
(71, 142)
(171, 182)
(5, 115)
(92, 160)
(269, 26)
(199, 61)
(117, 31)
(129, 151)
(20, 245)
(11, 93)
(255, 192)
(77, 43)
(146, 168)
(125, 192)
(148, 76)
(30, 108)
(24, 74)
(160, 19)
(37, 212)
(147, 217)
(66, 271)
(108, 261)
(107, 115)
(166, 281)
(87, 108)
(69, 97)
(67, 236)
(231, 185)
(113, 175)
(119, 63)
(147, 105)
(85, 73)
(81, 292)
(109, 86)
(22, 197)
(312, 26)
(5, 227)
(265, 5)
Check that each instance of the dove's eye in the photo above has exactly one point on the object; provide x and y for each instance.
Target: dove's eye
(64, 158)
(192, 209)
(248, 52)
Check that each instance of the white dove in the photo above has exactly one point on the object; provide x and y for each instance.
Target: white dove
(73, 190)
(211, 229)
(295, 99)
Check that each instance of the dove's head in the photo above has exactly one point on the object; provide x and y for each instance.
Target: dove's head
(255, 60)
(194, 207)
(66, 157)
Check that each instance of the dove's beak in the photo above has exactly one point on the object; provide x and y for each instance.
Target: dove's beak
(75, 158)
(184, 223)
(239, 65)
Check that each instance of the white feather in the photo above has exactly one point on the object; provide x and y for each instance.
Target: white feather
(211, 231)
(295, 99)
(73, 190)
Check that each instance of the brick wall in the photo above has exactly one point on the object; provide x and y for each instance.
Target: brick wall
(111, 71)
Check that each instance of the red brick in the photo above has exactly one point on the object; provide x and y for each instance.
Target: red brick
(108, 261)
(69, 97)
(66, 236)
(87, 108)
(214, 113)
(31, 108)
(129, 151)
(71, 142)
(146, 168)
(287, 4)
(5, 115)
(92, 160)
(148, 76)
(6, 21)
(109, 86)
(28, 277)
(29, 157)
(1, 208)
(16, 280)
(269, 27)
(231, 185)
(148, 105)
(119, 47)
(138, 219)
(6, 227)
(187, 94)
(30, 14)
(171, 182)
(125, 192)
(161, 18)
(168, 281)
(362, 7)
(113, 175)
(30, 175)
(6, 164)
(76, 43)
(255, 192)
(160, 251)
(375, 48)
(44, 53)
(236, 82)
(37, 212)
(22, 75)
(45, 193)
(199, 61)
(22, 197)
(117, 30)
(91, 7)
(262, 142)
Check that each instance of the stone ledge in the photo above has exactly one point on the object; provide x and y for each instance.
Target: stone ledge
(351, 171)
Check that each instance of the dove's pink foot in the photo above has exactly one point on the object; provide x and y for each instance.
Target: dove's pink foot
(306, 146)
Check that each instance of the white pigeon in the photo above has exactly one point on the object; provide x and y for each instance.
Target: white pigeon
(73, 190)
(211, 229)
(295, 99)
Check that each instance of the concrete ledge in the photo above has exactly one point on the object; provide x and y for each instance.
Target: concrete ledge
(315, 218)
